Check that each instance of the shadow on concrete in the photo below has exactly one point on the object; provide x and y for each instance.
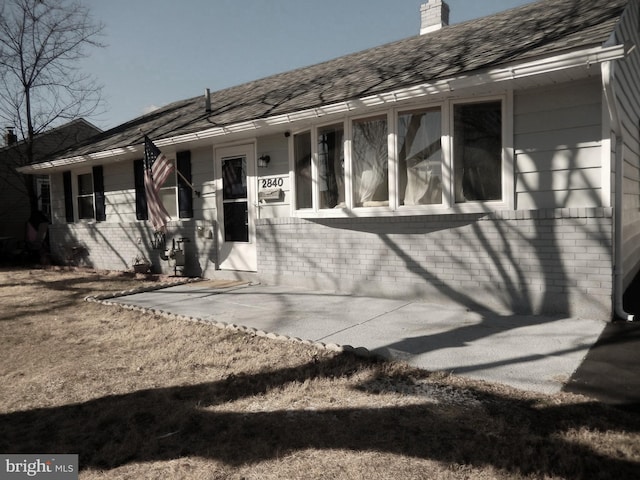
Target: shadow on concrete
(610, 372)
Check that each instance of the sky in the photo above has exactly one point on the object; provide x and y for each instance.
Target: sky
(160, 51)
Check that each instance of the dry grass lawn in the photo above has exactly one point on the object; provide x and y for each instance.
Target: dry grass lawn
(141, 396)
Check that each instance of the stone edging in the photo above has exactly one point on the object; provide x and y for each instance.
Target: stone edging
(106, 300)
(132, 291)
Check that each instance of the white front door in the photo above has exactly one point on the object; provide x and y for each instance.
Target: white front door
(236, 202)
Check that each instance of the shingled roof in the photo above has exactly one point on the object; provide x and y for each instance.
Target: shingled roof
(50, 142)
(544, 28)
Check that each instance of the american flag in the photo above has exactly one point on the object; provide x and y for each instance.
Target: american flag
(157, 169)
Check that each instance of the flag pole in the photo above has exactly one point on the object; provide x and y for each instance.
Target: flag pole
(189, 184)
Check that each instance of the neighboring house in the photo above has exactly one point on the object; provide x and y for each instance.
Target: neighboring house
(492, 163)
(15, 209)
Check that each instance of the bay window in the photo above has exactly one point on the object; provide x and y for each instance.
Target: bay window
(477, 151)
(331, 166)
(370, 159)
(302, 156)
(422, 159)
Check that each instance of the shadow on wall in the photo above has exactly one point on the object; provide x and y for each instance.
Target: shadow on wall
(483, 262)
(116, 246)
(543, 260)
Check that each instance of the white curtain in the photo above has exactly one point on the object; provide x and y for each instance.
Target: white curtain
(371, 161)
(422, 154)
(373, 170)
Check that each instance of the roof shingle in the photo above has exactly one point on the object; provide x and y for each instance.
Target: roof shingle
(543, 28)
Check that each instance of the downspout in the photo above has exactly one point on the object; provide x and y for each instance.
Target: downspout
(608, 69)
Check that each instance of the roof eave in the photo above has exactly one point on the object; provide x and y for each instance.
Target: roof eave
(504, 73)
(85, 160)
(580, 58)
(544, 65)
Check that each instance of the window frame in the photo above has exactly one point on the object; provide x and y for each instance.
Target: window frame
(181, 207)
(43, 192)
(315, 160)
(506, 200)
(174, 212)
(76, 196)
(351, 198)
(444, 134)
(293, 180)
(448, 205)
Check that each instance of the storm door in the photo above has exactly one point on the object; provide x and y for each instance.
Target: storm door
(236, 208)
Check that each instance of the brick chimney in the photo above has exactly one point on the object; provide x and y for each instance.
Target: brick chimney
(10, 138)
(433, 16)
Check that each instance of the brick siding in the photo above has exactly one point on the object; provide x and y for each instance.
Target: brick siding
(546, 261)
(113, 246)
(554, 261)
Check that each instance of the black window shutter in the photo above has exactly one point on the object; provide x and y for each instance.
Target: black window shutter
(141, 195)
(185, 195)
(98, 194)
(68, 197)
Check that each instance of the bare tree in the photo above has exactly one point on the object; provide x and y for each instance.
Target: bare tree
(41, 85)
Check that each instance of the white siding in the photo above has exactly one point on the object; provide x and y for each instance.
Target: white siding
(119, 192)
(202, 174)
(277, 147)
(557, 137)
(627, 86)
(113, 244)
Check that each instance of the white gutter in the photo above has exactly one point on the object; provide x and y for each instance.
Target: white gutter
(89, 159)
(581, 58)
(608, 69)
(578, 58)
(548, 65)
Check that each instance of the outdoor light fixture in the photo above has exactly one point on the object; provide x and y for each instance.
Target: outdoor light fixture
(263, 161)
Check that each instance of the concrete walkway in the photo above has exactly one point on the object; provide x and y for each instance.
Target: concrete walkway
(528, 352)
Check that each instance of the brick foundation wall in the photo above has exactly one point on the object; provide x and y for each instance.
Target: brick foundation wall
(555, 261)
(113, 246)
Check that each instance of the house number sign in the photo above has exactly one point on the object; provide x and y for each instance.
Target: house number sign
(272, 189)
(271, 182)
